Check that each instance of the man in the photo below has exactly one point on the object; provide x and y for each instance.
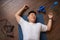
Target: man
(30, 29)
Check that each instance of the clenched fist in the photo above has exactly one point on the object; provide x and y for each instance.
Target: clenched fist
(25, 7)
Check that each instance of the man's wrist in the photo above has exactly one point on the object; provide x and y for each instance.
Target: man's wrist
(50, 19)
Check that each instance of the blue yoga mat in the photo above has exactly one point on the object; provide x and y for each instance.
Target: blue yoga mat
(39, 19)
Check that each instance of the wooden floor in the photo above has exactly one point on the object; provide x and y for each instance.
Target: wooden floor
(8, 9)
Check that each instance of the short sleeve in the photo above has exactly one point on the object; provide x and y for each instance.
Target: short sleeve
(22, 21)
(43, 27)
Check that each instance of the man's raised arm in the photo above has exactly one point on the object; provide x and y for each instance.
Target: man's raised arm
(50, 15)
(20, 12)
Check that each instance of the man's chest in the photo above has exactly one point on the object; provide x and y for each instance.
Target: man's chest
(31, 29)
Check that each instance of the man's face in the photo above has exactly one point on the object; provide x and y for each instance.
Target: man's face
(32, 17)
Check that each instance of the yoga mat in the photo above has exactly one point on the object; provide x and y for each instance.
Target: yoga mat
(39, 19)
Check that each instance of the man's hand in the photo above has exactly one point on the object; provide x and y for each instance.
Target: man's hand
(25, 7)
(50, 15)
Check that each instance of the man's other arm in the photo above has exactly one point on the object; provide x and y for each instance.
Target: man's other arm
(49, 24)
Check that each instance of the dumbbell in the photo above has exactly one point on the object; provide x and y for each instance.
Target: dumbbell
(41, 9)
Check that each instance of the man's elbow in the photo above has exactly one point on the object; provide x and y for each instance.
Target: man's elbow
(49, 29)
(16, 15)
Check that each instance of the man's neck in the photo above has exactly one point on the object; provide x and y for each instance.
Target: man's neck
(31, 22)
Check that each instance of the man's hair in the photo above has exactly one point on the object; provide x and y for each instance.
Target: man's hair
(31, 12)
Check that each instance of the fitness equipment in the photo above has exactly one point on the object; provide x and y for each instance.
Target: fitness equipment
(54, 4)
(42, 8)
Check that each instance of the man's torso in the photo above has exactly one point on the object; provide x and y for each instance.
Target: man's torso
(31, 31)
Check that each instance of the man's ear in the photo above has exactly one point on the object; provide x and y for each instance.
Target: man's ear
(28, 17)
